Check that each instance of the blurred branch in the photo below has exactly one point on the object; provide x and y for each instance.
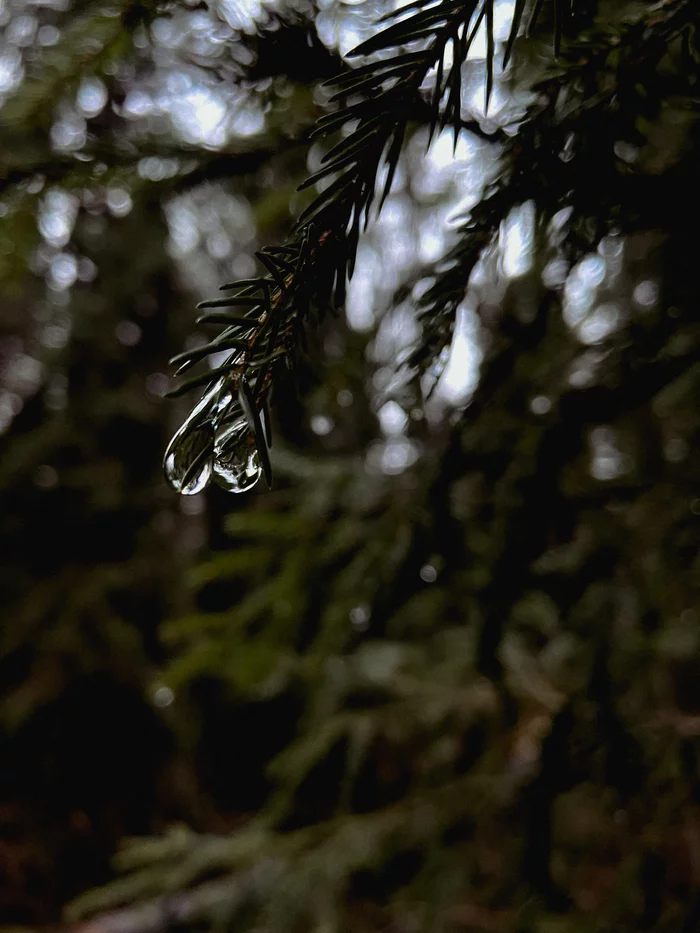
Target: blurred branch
(181, 907)
(69, 172)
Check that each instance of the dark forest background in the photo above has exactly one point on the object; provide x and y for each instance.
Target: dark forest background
(445, 674)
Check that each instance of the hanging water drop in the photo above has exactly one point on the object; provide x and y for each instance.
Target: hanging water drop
(213, 403)
(236, 459)
(188, 459)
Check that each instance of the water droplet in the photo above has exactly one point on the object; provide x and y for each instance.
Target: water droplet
(189, 445)
(236, 460)
(194, 442)
(213, 403)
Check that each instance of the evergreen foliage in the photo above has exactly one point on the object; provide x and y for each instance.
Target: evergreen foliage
(378, 101)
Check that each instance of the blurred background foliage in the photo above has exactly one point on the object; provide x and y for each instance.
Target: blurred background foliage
(445, 675)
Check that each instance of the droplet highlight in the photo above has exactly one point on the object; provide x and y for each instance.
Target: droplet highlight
(236, 464)
(188, 461)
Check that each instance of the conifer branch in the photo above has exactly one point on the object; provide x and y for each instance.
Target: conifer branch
(536, 166)
(309, 272)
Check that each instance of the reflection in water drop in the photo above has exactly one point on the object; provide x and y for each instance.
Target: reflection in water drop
(188, 447)
(194, 442)
(236, 460)
(214, 402)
